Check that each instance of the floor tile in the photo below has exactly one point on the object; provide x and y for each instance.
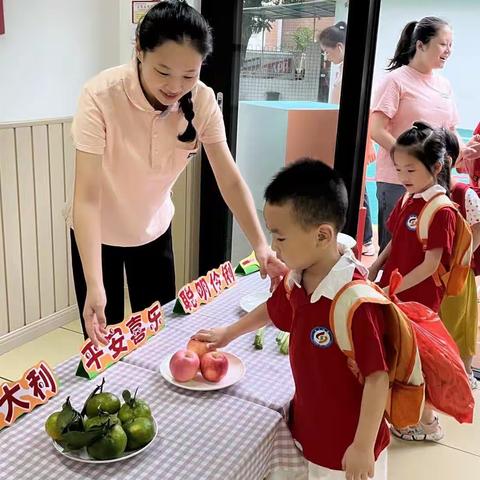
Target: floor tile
(53, 347)
(74, 326)
(463, 436)
(430, 461)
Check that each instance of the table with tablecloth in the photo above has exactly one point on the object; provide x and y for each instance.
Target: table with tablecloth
(238, 433)
(268, 381)
(200, 435)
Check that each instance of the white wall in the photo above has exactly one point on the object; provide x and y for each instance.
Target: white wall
(50, 48)
(463, 68)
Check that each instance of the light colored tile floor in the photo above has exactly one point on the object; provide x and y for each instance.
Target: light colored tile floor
(54, 347)
(74, 326)
(420, 461)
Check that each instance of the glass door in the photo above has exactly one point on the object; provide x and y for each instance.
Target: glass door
(289, 89)
(279, 70)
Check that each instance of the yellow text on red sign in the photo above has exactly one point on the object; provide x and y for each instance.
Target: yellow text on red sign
(206, 288)
(36, 387)
(122, 339)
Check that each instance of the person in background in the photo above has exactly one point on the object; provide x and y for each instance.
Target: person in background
(136, 129)
(410, 92)
(332, 41)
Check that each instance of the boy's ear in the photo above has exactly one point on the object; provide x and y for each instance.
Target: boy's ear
(325, 233)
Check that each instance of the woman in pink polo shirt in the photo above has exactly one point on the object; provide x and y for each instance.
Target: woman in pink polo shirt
(136, 129)
(410, 92)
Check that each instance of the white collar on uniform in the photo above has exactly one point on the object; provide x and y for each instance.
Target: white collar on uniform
(428, 194)
(340, 274)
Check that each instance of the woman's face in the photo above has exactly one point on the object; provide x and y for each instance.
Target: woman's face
(334, 54)
(169, 72)
(436, 52)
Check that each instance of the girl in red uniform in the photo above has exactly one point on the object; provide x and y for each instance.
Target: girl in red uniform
(423, 165)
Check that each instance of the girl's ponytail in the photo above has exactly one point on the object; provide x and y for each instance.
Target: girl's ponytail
(405, 48)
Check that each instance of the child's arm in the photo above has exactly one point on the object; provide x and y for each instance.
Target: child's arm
(221, 336)
(359, 457)
(426, 269)
(379, 262)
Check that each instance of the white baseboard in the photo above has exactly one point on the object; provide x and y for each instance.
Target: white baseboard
(40, 327)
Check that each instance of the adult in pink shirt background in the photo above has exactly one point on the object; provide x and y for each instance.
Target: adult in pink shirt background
(410, 92)
(136, 128)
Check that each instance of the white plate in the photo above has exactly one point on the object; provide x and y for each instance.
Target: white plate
(253, 300)
(236, 371)
(82, 455)
(346, 240)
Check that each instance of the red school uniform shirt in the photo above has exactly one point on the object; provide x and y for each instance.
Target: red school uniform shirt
(407, 251)
(325, 410)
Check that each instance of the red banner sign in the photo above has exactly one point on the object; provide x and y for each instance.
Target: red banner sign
(122, 339)
(205, 289)
(36, 387)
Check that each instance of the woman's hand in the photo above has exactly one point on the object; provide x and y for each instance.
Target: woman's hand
(94, 316)
(270, 265)
(469, 153)
(213, 337)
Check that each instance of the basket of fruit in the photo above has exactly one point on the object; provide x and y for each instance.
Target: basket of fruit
(105, 430)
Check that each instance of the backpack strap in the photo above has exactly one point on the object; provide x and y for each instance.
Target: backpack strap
(428, 213)
(442, 275)
(345, 304)
(406, 366)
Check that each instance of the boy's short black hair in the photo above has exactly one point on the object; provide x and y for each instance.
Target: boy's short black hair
(317, 193)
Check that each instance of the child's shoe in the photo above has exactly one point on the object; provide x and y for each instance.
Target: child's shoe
(422, 432)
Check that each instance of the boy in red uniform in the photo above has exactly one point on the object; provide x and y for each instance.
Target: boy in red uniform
(337, 421)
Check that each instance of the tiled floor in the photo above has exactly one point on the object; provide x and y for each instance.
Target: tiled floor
(457, 457)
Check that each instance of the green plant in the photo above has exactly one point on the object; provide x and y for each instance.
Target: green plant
(303, 37)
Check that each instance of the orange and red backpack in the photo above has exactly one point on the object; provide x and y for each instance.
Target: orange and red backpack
(407, 389)
(423, 360)
(454, 275)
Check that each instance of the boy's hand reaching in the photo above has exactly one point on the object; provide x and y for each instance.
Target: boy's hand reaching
(358, 463)
(213, 337)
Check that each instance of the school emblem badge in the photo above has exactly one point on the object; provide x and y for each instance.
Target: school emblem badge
(321, 337)
(411, 222)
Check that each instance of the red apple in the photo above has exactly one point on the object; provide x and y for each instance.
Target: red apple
(200, 348)
(184, 365)
(214, 366)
